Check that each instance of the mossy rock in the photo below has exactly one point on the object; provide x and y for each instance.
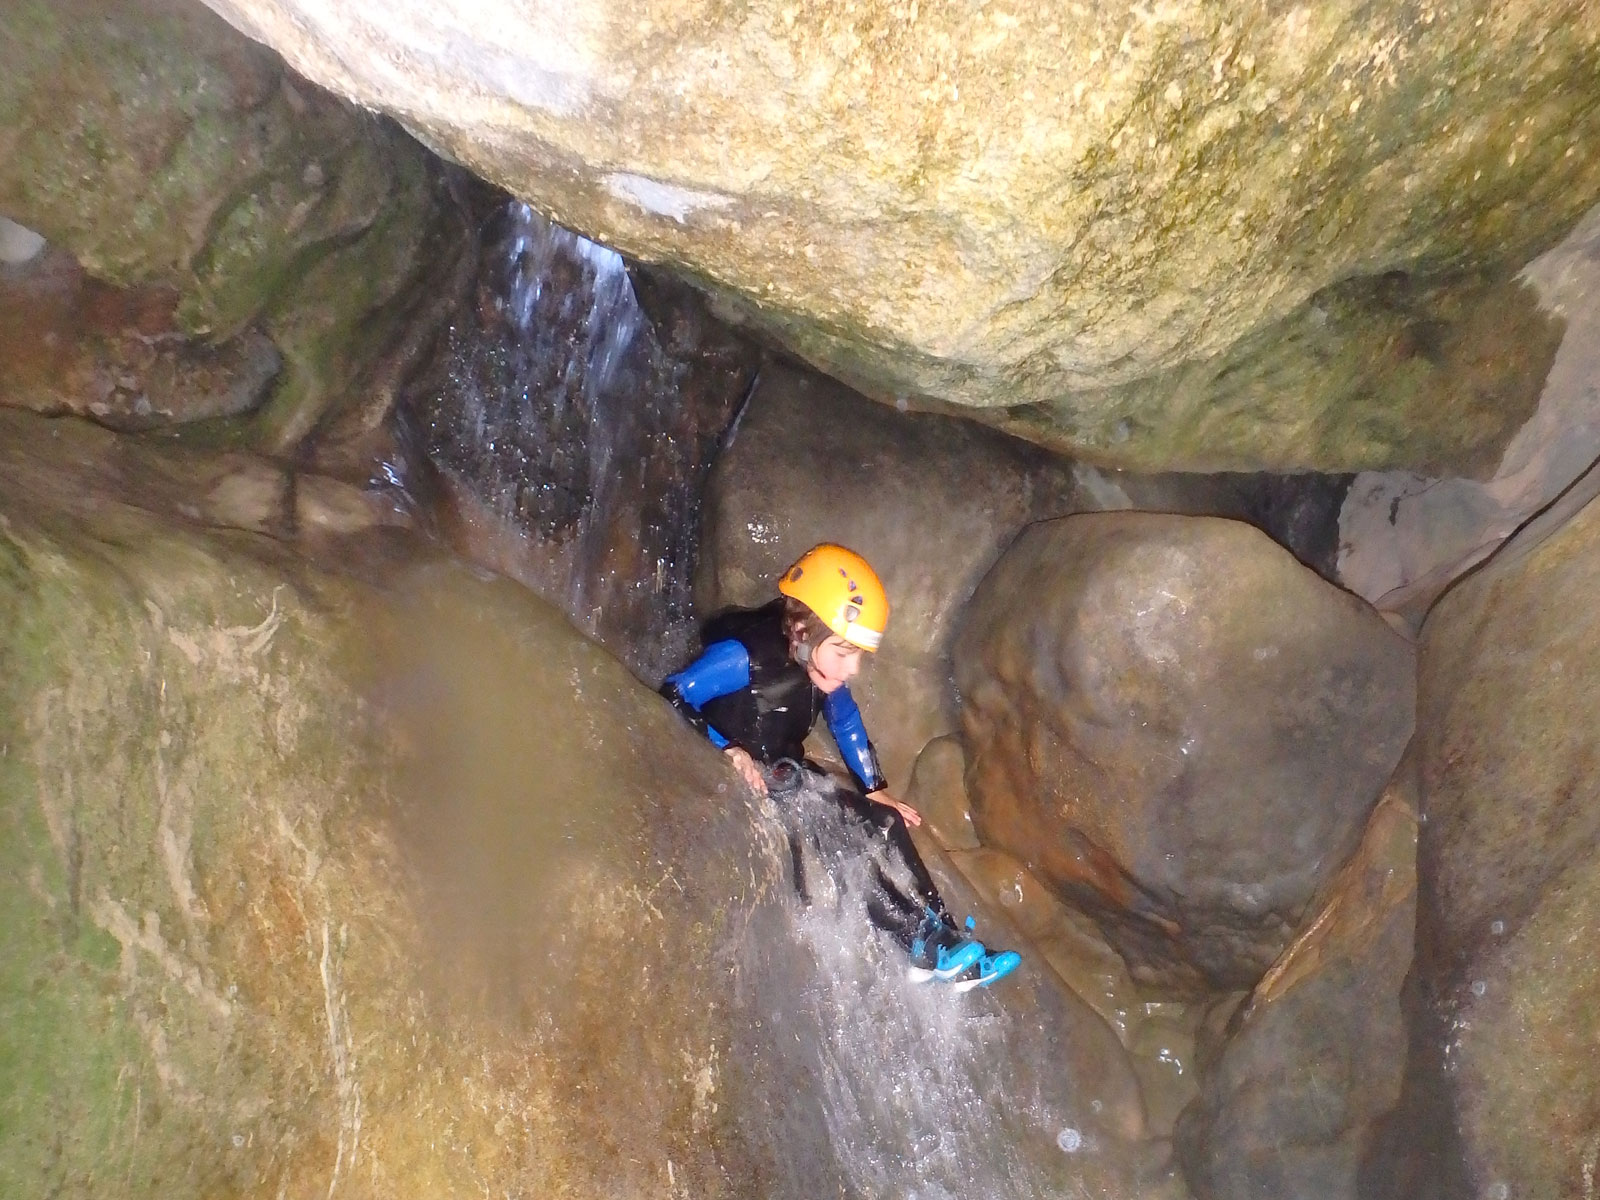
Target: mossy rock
(162, 147)
(1111, 223)
(382, 880)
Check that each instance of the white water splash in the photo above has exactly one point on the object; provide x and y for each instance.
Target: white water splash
(914, 1079)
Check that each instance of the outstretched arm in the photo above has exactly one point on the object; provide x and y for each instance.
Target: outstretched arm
(723, 668)
(843, 715)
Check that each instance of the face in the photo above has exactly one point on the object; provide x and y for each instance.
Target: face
(833, 663)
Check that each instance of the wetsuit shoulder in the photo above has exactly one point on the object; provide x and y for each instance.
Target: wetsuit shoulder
(721, 670)
(758, 630)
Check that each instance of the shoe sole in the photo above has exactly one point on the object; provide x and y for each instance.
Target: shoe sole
(1004, 968)
(962, 960)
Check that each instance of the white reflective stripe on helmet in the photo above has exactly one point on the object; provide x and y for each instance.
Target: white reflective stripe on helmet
(860, 635)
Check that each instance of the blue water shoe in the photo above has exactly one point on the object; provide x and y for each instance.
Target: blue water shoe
(987, 969)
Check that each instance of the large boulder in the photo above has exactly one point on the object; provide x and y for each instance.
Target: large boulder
(1507, 994)
(931, 501)
(1174, 724)
(384, 881)
(1030, 208)
(170, 155)
(1315, 1056)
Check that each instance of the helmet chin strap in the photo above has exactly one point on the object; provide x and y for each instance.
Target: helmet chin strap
(802, 653)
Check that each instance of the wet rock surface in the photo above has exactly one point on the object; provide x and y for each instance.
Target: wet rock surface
(1030, 207)
(938, 790)
(1372, 373)
(565, 432)
(66, 461)
(1178, 728)
(306, 867)
(171, 156)
(115, 355)
(1500, 1091)
(1315, 1056)
(1405, 536)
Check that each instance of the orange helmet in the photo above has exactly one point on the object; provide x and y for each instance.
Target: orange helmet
(839, 586)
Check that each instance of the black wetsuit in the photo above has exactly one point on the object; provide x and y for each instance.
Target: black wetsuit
(745, 690)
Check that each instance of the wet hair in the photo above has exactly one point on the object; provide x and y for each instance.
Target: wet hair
(798, 619)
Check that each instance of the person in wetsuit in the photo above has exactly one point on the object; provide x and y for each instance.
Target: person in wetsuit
(756, 690)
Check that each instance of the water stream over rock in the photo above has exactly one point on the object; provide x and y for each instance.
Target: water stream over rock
(925, 1092)
(571, 440)
(335, 865)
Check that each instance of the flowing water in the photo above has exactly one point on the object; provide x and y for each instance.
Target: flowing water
(925, 1092)
(570, 443)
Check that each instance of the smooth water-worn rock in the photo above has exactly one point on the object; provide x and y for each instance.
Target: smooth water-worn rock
(1009, 205)
(162, 148)
(1507, 997)
(217, 942)
(1177, 726)
(938, 790)
(1405, 536)
(116, 355)
(1377, 372)
(1316, 1054)
(1066, 940)
(384, 881)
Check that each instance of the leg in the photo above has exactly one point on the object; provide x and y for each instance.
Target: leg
(797, 858)
(892, 911)
(899, 839)
(889, 826)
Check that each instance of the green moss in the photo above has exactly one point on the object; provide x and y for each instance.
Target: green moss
(162, 147)
(349, 305)
(73, 1068)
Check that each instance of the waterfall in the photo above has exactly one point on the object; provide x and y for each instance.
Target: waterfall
(570, 444)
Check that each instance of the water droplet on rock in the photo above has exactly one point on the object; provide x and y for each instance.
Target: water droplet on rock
(1070, 1140)
(1479, 987)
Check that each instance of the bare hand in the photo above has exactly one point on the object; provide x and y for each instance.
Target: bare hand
(748, 769)
(909, 814)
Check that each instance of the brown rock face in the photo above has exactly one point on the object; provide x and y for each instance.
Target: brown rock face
(1509, 997)
(1316, 1054)
(1178, 726)
(271, 236)
(75, 345)
(1022, 204)
(382, 881)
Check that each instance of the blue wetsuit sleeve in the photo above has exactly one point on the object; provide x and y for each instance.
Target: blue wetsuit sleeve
(839, 709)
(724, 668)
